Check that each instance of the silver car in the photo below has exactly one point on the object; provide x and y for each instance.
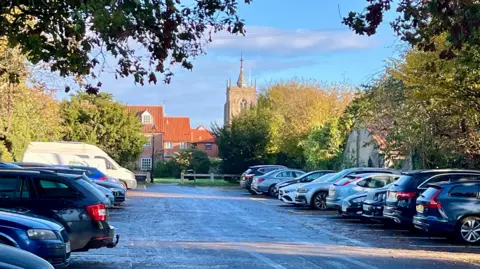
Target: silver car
(354, 184)
(265, 184)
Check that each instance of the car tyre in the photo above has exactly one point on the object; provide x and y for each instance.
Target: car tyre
(252, 192)
(271, 192)
(319, 201)
(468, 230)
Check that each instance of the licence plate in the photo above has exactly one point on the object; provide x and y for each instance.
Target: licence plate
(67, 247)
(420, 208)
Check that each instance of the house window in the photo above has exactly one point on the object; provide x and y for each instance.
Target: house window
(146, 118)
(168, 145)
(183, 145)
(208, 146)
(148, 143)
(146, 164)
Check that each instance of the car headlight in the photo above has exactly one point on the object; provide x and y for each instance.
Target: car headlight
(287, 191)
(359, 199)
(40, 234)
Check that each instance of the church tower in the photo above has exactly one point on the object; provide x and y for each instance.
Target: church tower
(239, 97)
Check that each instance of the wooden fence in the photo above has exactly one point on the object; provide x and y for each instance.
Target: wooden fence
(212, 176)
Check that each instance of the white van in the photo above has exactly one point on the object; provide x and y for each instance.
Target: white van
(78, 153)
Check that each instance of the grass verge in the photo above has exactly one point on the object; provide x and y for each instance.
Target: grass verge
(218, 182)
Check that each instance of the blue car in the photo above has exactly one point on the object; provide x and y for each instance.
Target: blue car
(14, 258)
(9, 165)
(451, 208)
(37, 235)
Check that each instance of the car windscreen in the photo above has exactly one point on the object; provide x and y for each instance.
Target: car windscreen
(324, 178)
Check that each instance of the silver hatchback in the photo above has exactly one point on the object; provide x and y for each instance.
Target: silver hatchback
(354, 184)
(266, 183)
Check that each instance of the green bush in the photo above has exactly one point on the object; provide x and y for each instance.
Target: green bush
(165, 169)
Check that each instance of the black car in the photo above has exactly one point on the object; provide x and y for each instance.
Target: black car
(352, 205)
(372, 207)
(257, 170)
(15, 258)
(402, 195)
(72, 202)
(452, 207)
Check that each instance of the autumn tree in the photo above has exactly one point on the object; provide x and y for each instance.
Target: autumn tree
(101, 121)
(22, 117)
(145, 37)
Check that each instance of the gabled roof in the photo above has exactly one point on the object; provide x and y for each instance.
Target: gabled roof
(202, 135)
(157, 115)
(176, 129)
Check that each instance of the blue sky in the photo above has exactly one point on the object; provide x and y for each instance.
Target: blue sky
(285, 39)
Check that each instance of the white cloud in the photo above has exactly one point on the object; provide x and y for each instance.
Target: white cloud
(275, 41)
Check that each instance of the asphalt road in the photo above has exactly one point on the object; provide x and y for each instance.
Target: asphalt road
(169, 226)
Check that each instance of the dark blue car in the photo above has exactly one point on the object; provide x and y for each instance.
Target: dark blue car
(452, 207)
(37, 235)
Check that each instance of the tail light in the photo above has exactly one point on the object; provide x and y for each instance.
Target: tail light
(260, 180)
(97, 212)
(405, 195)
(103, 178)
(434, 203)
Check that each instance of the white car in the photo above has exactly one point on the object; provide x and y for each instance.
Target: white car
(287, 193)
(315, 194)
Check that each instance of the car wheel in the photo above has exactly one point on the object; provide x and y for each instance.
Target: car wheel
(319, 201)
(468, 230)
(271, 191)
(252, 192)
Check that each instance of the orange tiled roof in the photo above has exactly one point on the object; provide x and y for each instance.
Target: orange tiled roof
(177, 129)
(202, 135)
(157, 115)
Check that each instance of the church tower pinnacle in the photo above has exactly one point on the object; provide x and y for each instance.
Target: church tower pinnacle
(241, 77)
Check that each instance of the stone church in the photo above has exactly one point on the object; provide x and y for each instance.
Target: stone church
(239, 97)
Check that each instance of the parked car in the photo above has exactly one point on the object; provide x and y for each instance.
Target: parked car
(118, 190)
(372, 207)
(315, 194)
(257, 170)
(451, 208)
(40, 236)
(352, 205)
(9, 165)
(287, 194)
(61, 153)
(71, 201)
(353, 184)
(402, 195)
(29, 164)
(305, 178)
(265, 184)
(109, 199)
(15, 258)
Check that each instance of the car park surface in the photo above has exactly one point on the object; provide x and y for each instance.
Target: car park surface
(171, 226)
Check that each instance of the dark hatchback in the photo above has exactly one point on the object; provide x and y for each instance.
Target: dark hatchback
(70, 201)
(372, 207)
(37, 235)
(257, 170)
(453, 207)
(402, 195)
(352, 205)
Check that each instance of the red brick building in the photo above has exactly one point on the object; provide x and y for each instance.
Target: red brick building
(168, 135)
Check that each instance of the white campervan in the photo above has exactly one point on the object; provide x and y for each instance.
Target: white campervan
(78, 153)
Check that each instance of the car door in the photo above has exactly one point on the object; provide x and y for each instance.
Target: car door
(461, 200)
(10, 191)
(58, 200)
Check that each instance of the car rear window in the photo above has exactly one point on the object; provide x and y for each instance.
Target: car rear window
(345, 180)
(85, 182)
(404, 181)
(428, 193)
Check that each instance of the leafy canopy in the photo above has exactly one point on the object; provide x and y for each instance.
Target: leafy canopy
(72, 35)
(420, 22)
(99, 120)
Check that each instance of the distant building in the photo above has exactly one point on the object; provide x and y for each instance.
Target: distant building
(239, 97)
(171, 135)
(204, 140)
